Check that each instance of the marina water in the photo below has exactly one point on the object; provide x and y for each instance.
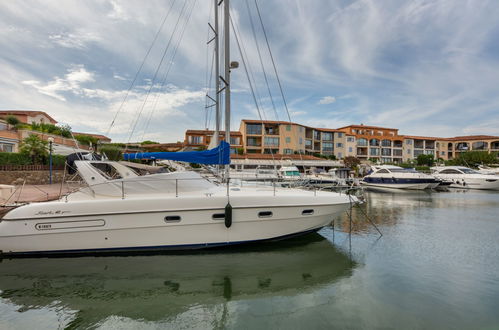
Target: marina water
(436, 266)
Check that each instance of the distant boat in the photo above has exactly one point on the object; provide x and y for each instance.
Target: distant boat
(466, 178)
(390, 176)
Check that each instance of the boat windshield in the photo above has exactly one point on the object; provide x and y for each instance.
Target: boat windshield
(403, 170)
(292, 173)
(468, 170)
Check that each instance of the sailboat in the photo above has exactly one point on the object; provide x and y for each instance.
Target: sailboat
(120, 212)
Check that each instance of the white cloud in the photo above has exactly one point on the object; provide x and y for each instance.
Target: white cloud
(70, 83)
(78, 40)
(298, 113)
(327, 100)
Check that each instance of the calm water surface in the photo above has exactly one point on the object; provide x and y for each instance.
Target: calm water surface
(437, 266)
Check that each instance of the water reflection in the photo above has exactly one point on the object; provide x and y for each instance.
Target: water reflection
(157, 287)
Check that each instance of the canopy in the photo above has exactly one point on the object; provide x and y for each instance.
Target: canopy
(219, 155)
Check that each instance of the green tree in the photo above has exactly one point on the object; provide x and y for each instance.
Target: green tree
(149, 142)
(351, 162)
(474, 158)
(12, 120)
(113, 153)
(425, 160)
(35, 148)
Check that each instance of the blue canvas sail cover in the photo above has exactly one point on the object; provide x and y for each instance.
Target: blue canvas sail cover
(219, 155)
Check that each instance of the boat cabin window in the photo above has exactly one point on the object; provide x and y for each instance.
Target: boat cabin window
(173, 218)
(403, 170)
(383, 170)
(468, 170)
(450, 171)
(292, 173)
(218, 216)
(106, 170)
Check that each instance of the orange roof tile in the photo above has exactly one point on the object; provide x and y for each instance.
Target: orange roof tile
(27, 113)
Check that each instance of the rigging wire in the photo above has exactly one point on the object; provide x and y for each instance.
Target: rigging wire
(236, 32)
(275, 68)
(261, 61)
(140, 69)
(272, 59)
(155, 75)
(170, 65)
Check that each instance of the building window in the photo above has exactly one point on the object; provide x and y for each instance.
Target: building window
(288, 128)
(408, 142)
(408, 151)
(317, 135)
(397, 152)
(350, 139)
(362, 142)
(233, 151)
(386, 151)
(252, 142)
(195, 139)
(288, 151)
(340, 155)
(350, 149)
(340, 134)
(386, 143)
(6, 147)
(327, 136)
(442, 153)
(308, 143)
(327, 146)
(374, 151)
(254, 129)
(301, 129)
(339, 145)
(271, 141)
(288, 140)
(234, 140)
(301, 141)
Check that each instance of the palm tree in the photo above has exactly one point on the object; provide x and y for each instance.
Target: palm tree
(35, 147)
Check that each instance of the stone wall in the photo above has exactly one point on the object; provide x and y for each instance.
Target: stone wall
(32, 177)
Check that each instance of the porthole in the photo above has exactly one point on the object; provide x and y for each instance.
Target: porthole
(307, 212)
(218, 216)
(264, 214)
(173, 218)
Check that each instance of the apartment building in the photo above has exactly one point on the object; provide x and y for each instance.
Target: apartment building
(202, 138)
(282, 137)
(29, 116)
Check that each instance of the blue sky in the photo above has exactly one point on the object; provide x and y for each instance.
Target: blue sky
(425, 67)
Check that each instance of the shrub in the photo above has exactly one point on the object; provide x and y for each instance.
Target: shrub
(12, 120)
(426, 160)
(113, 153)
(473, 159)
(14, 158)
(35, 148)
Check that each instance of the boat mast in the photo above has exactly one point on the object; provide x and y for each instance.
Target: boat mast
(217, 75)
(227, 78)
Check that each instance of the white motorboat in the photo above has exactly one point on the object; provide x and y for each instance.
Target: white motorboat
(323, 179)
(289, 173)
(390, 176)
(466, 178)
(488, 170)
(257, 174)
(178, 210)
(121, 211)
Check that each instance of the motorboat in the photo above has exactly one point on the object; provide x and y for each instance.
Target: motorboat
(322, 179)
(257, 174)
(466, 178)
(289, 173)
(177, 210)
(483, 169)
(120, 212)
(390, 176)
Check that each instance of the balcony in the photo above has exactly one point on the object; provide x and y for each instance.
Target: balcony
(254, 129)
(271, 130)
(419, 144)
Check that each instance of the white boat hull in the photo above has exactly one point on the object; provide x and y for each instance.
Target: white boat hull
(410, 186)
(139, 224)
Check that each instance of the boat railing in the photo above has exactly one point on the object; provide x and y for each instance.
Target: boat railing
(120, 188)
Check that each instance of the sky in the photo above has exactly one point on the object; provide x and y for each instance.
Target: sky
(101, 66)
